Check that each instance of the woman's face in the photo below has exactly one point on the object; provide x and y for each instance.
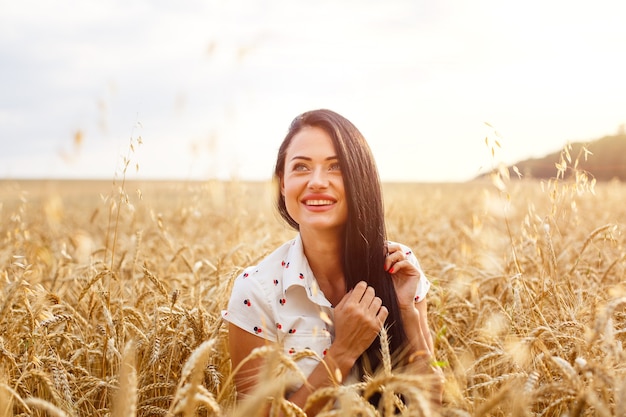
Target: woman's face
(312, 183)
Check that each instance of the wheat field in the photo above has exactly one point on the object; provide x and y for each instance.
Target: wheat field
(112, 291)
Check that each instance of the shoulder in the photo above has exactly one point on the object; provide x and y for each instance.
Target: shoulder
(270, 265)
(265, 278)
(255, 292)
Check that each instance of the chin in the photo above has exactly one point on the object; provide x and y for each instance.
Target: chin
(323, 226)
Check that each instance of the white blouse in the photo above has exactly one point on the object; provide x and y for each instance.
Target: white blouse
(279, 300)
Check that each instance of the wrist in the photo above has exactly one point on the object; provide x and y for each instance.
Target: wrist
(411, 319)
(409, 310)
(339, 362)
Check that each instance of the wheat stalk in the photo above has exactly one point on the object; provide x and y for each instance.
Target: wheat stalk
(125, 402)
(190, 392)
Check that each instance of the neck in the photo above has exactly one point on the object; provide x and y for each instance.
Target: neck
(324, 252)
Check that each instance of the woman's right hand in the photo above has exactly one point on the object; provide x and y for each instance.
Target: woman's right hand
(359, 317)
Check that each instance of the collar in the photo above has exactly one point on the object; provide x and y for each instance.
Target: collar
(297, 272)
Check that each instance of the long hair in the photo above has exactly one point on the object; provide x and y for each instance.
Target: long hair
(365, 236)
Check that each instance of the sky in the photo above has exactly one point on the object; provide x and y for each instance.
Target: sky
(201, 89)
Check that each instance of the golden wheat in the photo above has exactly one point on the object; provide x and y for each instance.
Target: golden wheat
(111, 305)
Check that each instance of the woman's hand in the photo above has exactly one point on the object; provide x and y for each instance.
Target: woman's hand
(405, 275)
(359, 317)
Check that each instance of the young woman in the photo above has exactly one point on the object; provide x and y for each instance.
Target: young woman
(333, 287)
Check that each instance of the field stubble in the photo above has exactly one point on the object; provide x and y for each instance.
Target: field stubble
(111, 296)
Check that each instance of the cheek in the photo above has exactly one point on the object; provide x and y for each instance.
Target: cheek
(291, 187)
(291, 204)
(290, 193)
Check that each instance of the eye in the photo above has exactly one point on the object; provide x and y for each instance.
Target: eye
(334, 167)
(299, 167)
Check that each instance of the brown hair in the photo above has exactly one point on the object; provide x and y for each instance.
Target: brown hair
(365, 235)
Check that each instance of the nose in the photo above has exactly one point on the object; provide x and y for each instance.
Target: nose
(318, 179)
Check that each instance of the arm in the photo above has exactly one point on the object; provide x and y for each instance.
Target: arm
(359, 317)
(406, 277)
(415, 321)
(241, 344)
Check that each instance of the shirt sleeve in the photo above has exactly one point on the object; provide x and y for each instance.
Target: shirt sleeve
(250, 309)
(424, 284)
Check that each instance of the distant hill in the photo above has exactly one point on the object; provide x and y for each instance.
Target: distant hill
(606, 161)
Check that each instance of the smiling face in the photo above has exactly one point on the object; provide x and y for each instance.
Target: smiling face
(312, 183)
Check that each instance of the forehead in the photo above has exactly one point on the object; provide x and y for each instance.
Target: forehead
(311, 141)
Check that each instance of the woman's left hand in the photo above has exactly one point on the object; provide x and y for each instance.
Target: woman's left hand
(404, 273)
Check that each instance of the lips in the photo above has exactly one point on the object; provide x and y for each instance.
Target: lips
(318, 202)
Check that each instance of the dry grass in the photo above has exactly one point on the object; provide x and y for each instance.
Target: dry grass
(110, 303)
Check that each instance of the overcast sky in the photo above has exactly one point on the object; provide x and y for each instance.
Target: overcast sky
(211, 86)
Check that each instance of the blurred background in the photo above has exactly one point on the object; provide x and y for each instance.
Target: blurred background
(207, 89)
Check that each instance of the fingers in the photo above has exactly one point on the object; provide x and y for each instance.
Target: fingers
(368, 299)
(360, 294)
(354, 295)
(395, 258)
(382, 315)
(364, 298)
(376, 304)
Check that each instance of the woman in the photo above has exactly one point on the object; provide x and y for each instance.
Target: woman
(333, 287)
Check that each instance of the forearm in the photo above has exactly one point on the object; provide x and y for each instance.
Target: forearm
(335, 368)
(419, 339)
(421, 350)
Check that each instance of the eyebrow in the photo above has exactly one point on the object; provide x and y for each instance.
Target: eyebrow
(306, 158)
